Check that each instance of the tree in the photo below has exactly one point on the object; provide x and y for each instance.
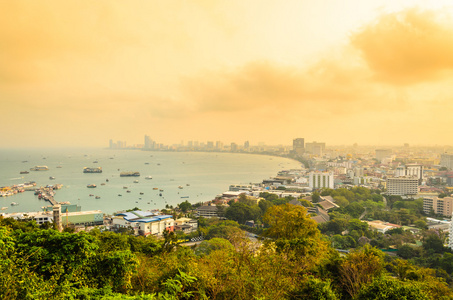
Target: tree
(185, 206)
(433, 242)
(315, 289)
(315, 197)
(360, 267)
(385, 288)
(294, 233)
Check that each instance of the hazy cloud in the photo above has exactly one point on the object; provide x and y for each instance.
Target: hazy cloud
(408, 47)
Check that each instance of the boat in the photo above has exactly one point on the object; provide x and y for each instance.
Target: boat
(187, 184)
(120, 195)
(4, 207)
(91, 195)
(39, 168)
(95, 162)
(141, 193)
(51, 178)
(185, 197)
(91, 185)
(161, 190)
(24, 172)
(97, 197)
(14, 204)
(124, 187)
(128, 191)
(103, 183)
(92, 170)
(155, 188)
(135, 181)
(149, 177)
(107, 180)
(180, 187)
(146, 163)
(129, 174)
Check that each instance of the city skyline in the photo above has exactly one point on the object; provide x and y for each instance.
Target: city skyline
(77, 73)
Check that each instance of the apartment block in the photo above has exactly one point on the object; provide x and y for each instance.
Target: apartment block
(402, 186)
(440, 206)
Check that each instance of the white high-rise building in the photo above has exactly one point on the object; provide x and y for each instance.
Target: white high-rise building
(411, 170)
(319, 180)
(402, 186)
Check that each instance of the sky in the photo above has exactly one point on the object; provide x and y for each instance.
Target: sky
(78, 73)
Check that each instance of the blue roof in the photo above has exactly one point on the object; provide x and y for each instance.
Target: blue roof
(139, 216)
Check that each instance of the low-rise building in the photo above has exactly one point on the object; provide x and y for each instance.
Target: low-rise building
(208, 211)
(186, 225)
(144, 222)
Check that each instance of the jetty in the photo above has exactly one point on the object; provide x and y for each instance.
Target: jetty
(47, 194)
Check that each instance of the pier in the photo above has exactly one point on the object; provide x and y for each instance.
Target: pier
(47, 194)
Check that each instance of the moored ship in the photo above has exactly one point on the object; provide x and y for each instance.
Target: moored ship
(129, 174)
(39, 168)
(92, 170)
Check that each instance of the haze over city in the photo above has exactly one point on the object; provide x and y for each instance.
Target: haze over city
(77, 73)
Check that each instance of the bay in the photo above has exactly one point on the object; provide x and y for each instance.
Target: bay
(192, 176)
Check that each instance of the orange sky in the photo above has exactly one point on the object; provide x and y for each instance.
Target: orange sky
(77, 73)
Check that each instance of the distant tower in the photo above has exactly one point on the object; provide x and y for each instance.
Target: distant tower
(111, 144)
(57, 216)
(246, 145)
(299, 146)
(147, 142)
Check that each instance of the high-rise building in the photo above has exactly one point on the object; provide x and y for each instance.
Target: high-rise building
(315, 148)
(148, 142)
(402, 186)
(319, 180)
(218, 145)
(299, 146)
(415, 170)
(383, 153)
(234, 147)
(446, 160)
(440, 206)
(246, 145)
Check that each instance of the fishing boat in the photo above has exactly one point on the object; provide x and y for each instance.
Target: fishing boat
(91, 186)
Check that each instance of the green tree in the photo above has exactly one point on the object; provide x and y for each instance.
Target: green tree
(185, 206)
(385, 288)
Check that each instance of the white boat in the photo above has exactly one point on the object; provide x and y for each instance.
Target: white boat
(14, 203)
(39, 168)
(3, 208)
(149, 177)
(135, 181)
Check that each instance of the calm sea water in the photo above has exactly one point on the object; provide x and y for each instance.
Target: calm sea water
(201, 175)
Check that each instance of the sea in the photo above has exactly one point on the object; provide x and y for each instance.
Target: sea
(176, 176)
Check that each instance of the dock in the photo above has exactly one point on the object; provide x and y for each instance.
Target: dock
(47, 194)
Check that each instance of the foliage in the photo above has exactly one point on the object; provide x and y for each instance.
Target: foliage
(385, 288)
